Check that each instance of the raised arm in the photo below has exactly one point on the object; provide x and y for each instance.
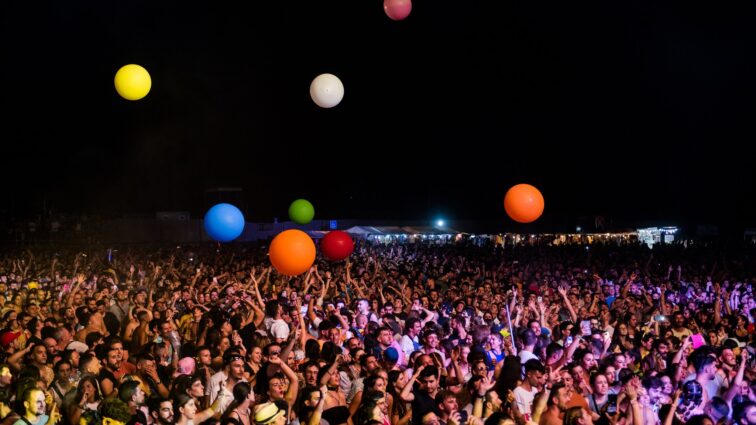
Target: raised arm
(291, 392)
(570, 351)
(513, 303)
(566, 299)
(290, 346)
(678, 356)
(303, 334)
(316, 416)
(634, 411)
(486, 385)
(52, 270)
(15, 360)
(458, 376)
(539, 404)
(311, 311)
(628, 283)
(74, 288)
(669, 419)
(717, 303)
(407, 394)
(735, 386)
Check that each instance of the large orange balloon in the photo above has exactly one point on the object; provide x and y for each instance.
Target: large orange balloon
(523, 203)
(292, 252)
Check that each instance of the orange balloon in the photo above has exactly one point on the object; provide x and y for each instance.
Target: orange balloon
(292, 252)
(523, 203)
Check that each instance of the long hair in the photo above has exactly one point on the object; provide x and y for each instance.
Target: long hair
(241, 392)
(393, 376)
(364, 412)
(398, 407)
(184, 383)
(511, 372)
(304, 411)
(179, 401)
(92, 380)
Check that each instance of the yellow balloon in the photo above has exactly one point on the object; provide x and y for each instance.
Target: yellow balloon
(132, 82)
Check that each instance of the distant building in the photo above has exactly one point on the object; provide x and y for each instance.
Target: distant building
(654, 235)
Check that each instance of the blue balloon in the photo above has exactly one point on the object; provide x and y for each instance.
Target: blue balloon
(224, 222)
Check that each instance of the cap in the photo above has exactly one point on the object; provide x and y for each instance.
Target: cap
(186, 366)
(391, 355)
(735, 341)
(692, 391)
(267, 413)
(6, 338)
(78, 346)
(279, 330)
(299, 355)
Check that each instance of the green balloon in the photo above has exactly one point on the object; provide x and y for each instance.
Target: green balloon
(301, 211)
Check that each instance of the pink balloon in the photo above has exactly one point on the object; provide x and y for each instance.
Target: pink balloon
(397, 9)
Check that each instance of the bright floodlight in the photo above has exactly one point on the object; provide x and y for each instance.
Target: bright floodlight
(440, 223)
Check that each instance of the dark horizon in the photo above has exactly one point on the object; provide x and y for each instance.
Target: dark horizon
(635, 112)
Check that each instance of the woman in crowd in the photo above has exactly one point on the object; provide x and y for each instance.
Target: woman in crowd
(240, 408)
(87, 398)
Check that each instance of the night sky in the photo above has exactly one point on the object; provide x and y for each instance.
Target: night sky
(637, 110)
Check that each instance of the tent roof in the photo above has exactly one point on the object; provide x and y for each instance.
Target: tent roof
(363, 230)
(396, 230)
(428, 230)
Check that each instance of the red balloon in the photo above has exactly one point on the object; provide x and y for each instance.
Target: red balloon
(336, 245)
(397, 9)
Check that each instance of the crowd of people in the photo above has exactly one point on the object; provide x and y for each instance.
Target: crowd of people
(398, 334)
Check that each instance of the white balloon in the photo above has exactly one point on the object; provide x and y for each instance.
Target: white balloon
(326, 90)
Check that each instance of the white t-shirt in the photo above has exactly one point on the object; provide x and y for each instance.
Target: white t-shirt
(524, 399)
(525, 356)
(408, 345)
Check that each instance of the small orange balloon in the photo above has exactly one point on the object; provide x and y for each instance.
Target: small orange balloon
(523, 203)
(292, 252)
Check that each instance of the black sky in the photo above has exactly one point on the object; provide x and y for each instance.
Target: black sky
(635, 110)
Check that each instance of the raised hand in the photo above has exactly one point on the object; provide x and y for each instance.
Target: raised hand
(510, 397)
(555, 374)
(54, 415)
(455, 354)
(486, 384)
(419, 369)
(455, 419)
